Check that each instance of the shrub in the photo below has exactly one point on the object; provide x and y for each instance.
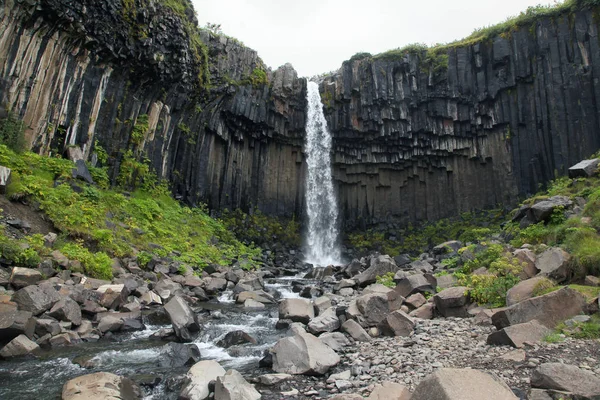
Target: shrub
(12, 132)
(544, 286)
(97, 265)
(387, 280)
(143, 258)
(489, 289)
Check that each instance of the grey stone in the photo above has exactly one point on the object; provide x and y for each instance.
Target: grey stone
(373, 307)
(36, 298)
(19, 346)
(379, 266)
(523, 290)
(397, 323)
(303, 353)
(542, 210)
(200, 376)
(236, 338)
(182, 317)
(233, 386)
(297, 310)
(101, 385)
(519, 334)
(21, 277)
(66, 309)
(569, 378)
(584, 168)
(452, 302)
(336, 340)
(390, 391)
(554, 263)
(356, 331)
(327, 321)
(417, 283)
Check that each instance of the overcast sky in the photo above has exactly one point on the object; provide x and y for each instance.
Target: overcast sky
(317, 35)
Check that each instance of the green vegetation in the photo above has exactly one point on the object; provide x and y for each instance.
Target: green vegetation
(260, 229)
(415, 240)
(387, 280)
(12, 132)
(97, 223)
(140, 129)
(554, 338)
(257, 77)
(579, 330)
(23, 253)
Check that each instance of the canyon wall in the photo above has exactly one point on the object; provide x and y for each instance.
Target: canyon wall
(423, 137)
(415, 138)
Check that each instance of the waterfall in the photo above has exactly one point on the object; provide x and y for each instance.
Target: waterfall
(321, 203)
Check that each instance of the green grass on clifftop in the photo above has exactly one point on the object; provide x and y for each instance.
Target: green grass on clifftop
(98, 222)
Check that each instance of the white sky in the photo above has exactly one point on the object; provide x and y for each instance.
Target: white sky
(317, 35)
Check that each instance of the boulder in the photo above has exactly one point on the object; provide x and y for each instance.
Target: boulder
(19, 346)
(150, 298)
(591, 280)
(101, 385)
(415, 301)
(82, 172)
(21, 277)
(421, 266)
(327, 321)
(233, 386)
(523, 290)
(182, 317)
(519, 334)
(462, 384)
(527, 259)
(214, 285)
(446, 281)
(66, 309)
(235, 338)
(303, 353)
(343, 284)
(65, 339)
(452, 302)
(257, 295)
(273, 379)
(14, 322)
(174, 355)
(113, 296)
(380, 266)
(423, 312)
(200, 376)
(542, 210)
(321, 304)
(336, 340)
(250, 303)
(390, 391)
(297, 310)
(376, 288)
(577, 382)
(47, 326)
(353, 268)
(416, 283)
(584, 168)
(36, 298)
(112, 321)
(402, 259)
(549, 309)
(356, 331)
(554, 263)
(373, 307)
(397, 323)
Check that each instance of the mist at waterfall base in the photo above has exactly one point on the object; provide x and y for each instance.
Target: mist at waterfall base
(321, 203)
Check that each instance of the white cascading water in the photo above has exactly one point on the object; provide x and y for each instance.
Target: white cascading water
(321, 203)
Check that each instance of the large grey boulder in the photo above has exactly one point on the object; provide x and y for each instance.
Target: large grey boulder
(421, 266)
(36, 298)
(355, 331)
(14, 322)
(524, 290)
(397, 323)
(452, 302)
(554, 263)
(235, 338)
(259, 296)
(462, 384)
(374, 308)
(584, 168)
(549, 309)
(412, 284)
(327, 321)
(568, 378)
(303, 353)
(519, 334)
(66, 309)
(200, 376)
(233, 386)
(379, 266)
(182, 317)
(390, 391)
(19, 346)
(174, 355)
(542, 210)
(336, 340)
(101, 385)
(297, 310)
(21, 277)
(527, 259)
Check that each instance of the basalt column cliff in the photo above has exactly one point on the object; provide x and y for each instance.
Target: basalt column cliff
(416, 135)
(420, 135)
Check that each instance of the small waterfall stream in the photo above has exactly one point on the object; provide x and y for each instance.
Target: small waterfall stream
(321, 202)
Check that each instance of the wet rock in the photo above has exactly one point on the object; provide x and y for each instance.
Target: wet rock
(182, 317)
(327, 321)
(355, 331)
(236, 338)
(174, 355)
(353, 268)
(523, 290)
(379, 266)
(101, 385)
(568, 378)
(549, 309)
(303, 353)
(19, 346)
(462, 384)
(66, 309)
(584, 168)
(250, 303)
(519, 334)
(200, 376)
(260, 296)
(397, 323)
(21, 277)
(297, 310)
(36, 298)
(554, 263)
(452, 302)
(390, 391)
(64, 339)
(233, 386)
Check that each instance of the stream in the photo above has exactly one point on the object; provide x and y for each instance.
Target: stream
(136, 355)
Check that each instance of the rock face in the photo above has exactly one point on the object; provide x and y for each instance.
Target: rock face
(303, 353)
(548, 310)
(414, 137)
(101, 385)
(462, 384)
